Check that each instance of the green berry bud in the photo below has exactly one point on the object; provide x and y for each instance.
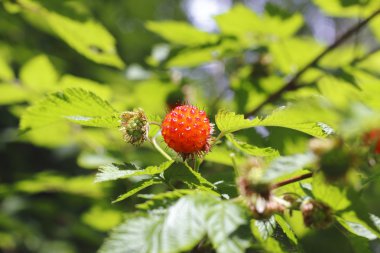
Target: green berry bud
(134, 126)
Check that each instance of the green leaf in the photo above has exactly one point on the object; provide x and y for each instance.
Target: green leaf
(162, 200)
(252, 150)
(228, 122)
(357, 229)
(110, 218)
(263, 229)
(184, 173)
(118, 171)
(32, 77)
(75, 105)
(86, 36)
(360, 244)
(69, 81)
(250, 28)
(286, 165)
(141, 185)
(181, 227)
(12, 93)
(135, 235)
(290, 61)
(353, 8)
(299, 116)
(223, 222)
(51, 182)
(6, 72)
(332, 195)
(292, 116)
(286, 228)
(181, 33)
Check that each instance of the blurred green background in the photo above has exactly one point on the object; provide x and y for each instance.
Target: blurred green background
(120, 51)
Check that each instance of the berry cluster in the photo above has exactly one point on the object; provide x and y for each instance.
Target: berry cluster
(187, 130)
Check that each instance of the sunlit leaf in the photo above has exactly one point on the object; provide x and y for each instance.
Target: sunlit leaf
(139, 186)
(286, 228)
(250, 149)
(118, 171)
(109, 218)
(181, 33)
(39, 74)
(50, 182)
(223, 222)
(353, 8)
(75, 105)
(286, 165)
(12, 93)
(332, 195)
(182, 227)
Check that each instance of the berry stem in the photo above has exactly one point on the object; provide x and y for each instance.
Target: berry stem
(234, 164)
(159, 149)
(292, 180)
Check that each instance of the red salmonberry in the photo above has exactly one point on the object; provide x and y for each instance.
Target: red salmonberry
(187, 130)
(373, 138)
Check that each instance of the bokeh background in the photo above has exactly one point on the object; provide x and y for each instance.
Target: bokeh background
(48, 201)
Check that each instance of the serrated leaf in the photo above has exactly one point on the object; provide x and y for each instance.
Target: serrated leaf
(228, 122)
(292, 116)
(286, 165)
(223, 222)
(134, 235)
(250, 149)
(75, 105)
(180, 228)
(69, 81)
(286, 228)
(263, 229)
(183, 173)
(118, 171)
(141, 185)
(181, 33)
(162, 200)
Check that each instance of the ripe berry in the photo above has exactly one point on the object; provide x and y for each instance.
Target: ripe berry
(187, 130)
(372, 138)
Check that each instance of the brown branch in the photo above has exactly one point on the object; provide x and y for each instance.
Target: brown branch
(292, 180)
(292, 83)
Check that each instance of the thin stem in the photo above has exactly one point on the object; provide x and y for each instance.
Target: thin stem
(234, 164)
(292, 180)
(292, 83)
(159, 149)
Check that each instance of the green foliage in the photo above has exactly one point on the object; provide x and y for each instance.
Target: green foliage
(288, 117)
(75, 105)
(181, 227)
(289, 109)
(115, 171)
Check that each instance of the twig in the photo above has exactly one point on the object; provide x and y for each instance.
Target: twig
(292, 180)
(292, 83)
